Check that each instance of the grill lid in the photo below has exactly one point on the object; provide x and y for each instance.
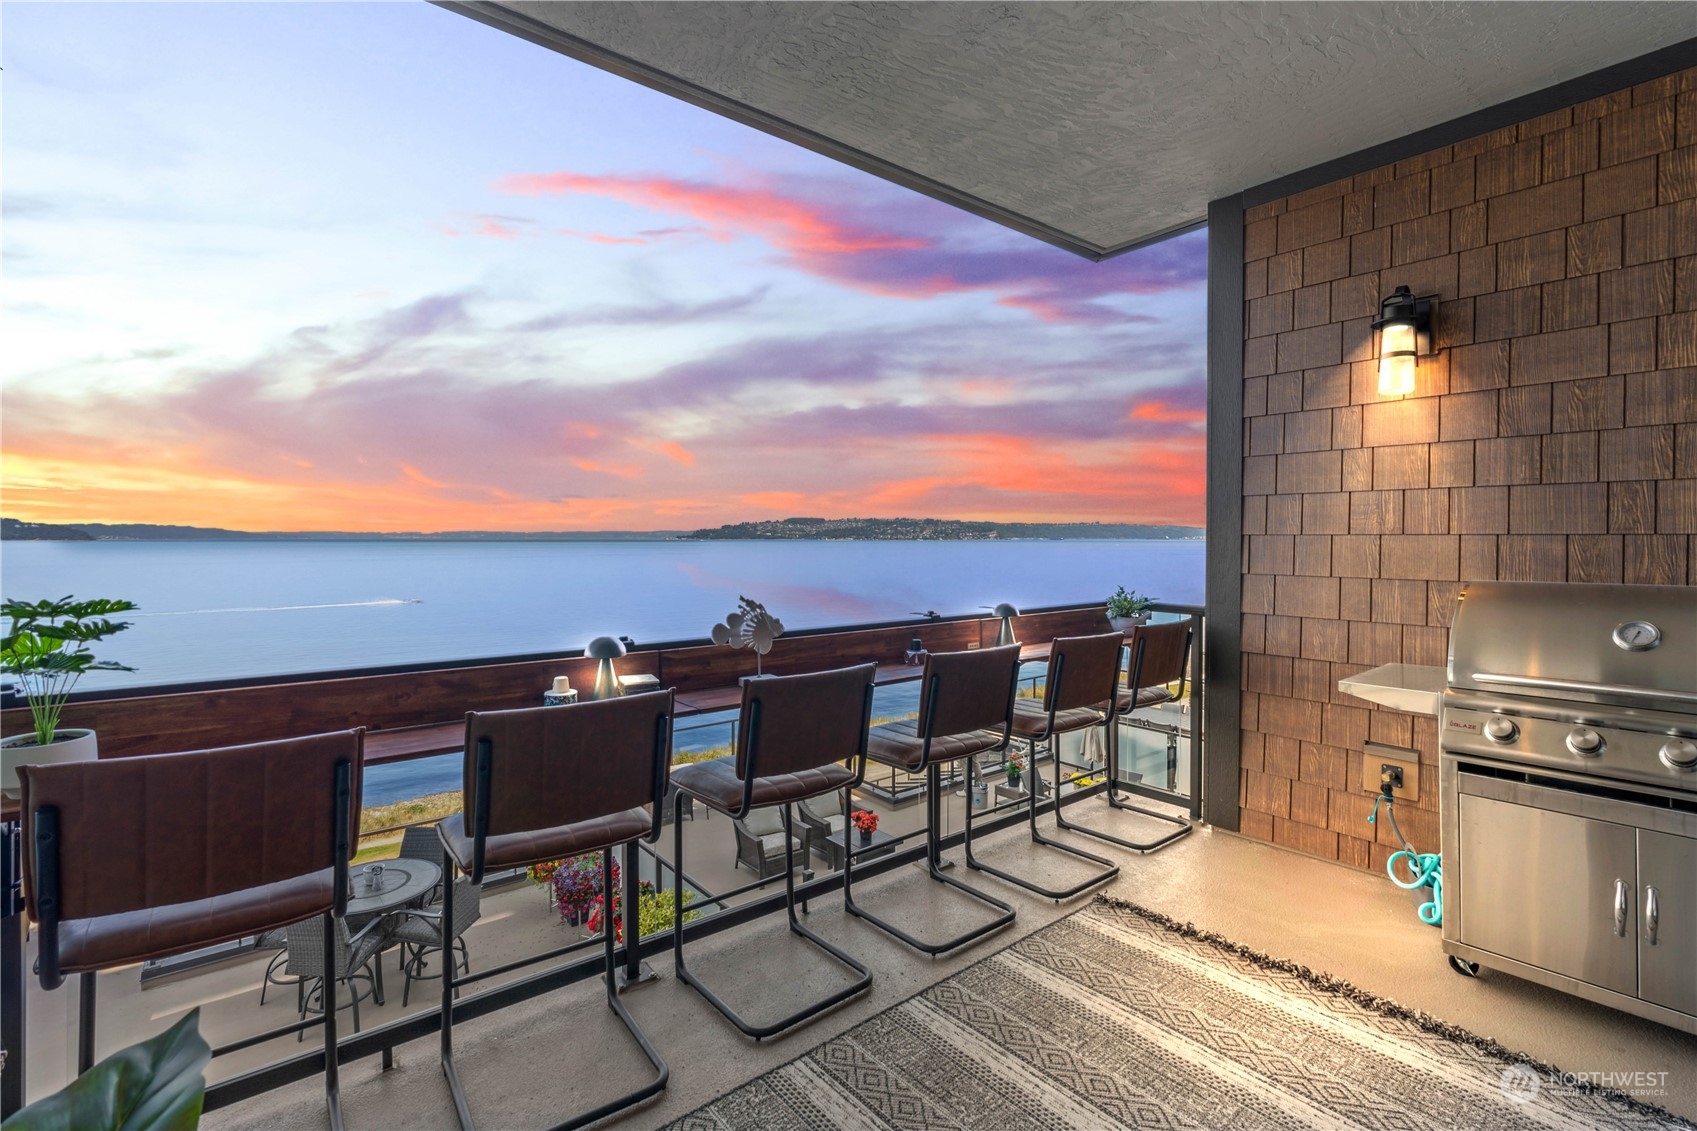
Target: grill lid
(1629, 645)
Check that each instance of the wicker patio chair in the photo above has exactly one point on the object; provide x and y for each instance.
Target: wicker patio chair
(760, 842)
(420, 932)
(357, 957)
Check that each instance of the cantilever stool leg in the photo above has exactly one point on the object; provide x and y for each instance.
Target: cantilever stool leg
(966, 707)
(1109, 870)
(1171, 645)
(777, 713)
(628, 739)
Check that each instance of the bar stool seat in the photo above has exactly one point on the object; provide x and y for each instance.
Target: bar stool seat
(799, 737)
(104, 941)
(900, 744)
(1127, 699)
(511, 850)
(1030, 720)
(716, 783)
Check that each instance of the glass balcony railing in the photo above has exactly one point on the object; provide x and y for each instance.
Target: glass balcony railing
(732, 871)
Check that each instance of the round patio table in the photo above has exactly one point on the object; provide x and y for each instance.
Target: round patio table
(403, 881)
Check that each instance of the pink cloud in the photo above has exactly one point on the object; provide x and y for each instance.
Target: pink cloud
(830, 243)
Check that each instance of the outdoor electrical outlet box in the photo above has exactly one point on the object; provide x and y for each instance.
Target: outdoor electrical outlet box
(1377, 756)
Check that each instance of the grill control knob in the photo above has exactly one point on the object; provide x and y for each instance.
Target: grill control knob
(1585, 742)
(1501, 728)
(1680, 754)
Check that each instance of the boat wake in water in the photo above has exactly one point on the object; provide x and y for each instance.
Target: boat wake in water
(284, 608)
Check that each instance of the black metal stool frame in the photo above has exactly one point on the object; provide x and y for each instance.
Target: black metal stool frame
(933, 845)
(480, 826)
(1110, 869)
(1113, 738)
(864, 981)
(47, 877)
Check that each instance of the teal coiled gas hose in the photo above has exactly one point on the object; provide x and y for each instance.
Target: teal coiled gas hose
(1426, 867)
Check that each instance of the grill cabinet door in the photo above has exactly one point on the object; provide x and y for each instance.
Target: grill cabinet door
(1667, 970)
(1544, 887)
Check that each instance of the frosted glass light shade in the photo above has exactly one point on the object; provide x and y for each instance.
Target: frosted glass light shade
(1396, 374)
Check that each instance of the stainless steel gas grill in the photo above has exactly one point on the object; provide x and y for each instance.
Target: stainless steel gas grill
(1568, 773)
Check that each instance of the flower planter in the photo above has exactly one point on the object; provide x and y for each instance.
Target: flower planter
(1126, 624)
(70, 745)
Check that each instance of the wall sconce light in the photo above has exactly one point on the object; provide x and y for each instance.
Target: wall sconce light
(1005, 635)
(606, 649)
(1405, 332)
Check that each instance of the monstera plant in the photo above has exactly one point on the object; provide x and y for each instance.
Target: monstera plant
(158, 1085)
(46, 648)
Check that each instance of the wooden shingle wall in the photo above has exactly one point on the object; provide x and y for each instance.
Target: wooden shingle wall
(1552, 437)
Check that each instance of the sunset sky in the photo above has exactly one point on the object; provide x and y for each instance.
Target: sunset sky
(379, 267)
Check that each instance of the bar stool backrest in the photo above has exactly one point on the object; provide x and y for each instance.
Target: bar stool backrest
(554, 766)
(153, 830)
(1160, 654)
(1083, 671)
(792, 723)
(968, 691)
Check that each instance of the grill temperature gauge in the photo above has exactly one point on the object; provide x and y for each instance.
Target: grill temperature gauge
(1637, 636)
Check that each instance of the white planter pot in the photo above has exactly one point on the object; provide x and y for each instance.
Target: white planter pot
(1126, 624)
(68, 745)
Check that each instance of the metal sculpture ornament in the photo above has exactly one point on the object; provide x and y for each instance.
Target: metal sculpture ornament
(750, 626)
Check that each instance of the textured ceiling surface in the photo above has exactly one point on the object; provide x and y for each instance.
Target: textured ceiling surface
(1114, 122)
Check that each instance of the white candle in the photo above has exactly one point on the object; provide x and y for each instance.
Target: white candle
(562, 684)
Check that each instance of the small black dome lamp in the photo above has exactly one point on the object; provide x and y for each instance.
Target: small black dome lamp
(1405, 332)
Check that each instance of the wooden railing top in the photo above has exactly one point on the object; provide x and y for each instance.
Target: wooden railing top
(414, 714)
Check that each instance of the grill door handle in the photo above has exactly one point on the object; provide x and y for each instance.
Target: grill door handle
(1620, 908)
(1652, 913)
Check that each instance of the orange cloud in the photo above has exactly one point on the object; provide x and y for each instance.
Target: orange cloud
(1160, 412)
(671, 449)
(622, 470)
(491, 229)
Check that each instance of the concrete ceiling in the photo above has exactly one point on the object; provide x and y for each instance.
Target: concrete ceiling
(1095, 126)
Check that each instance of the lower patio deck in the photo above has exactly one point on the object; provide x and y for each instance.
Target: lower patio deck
(534, 1062)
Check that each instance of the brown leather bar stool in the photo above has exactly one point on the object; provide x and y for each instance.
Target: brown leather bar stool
(545, 783)
(801, 736)
(1160, 655)
(129, 859)
(966, 706)
(1078, 694)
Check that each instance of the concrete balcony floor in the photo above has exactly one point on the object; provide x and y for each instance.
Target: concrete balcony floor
(534, 1063)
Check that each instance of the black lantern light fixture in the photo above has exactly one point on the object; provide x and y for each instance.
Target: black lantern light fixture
(1405, 332)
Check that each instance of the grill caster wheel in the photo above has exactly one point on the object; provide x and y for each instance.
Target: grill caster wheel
(1463, 967)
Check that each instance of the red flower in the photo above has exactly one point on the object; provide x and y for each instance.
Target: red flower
(865, 820)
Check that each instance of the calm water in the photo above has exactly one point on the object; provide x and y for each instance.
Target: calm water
(220, 610)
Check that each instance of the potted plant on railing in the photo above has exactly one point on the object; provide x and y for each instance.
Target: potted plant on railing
(46, 647)
(866, 822)
(1128, 610)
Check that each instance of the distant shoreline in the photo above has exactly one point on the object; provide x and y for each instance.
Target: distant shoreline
(793, 529)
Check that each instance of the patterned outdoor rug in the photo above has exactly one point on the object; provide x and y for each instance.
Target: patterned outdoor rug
(1119, 1017)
